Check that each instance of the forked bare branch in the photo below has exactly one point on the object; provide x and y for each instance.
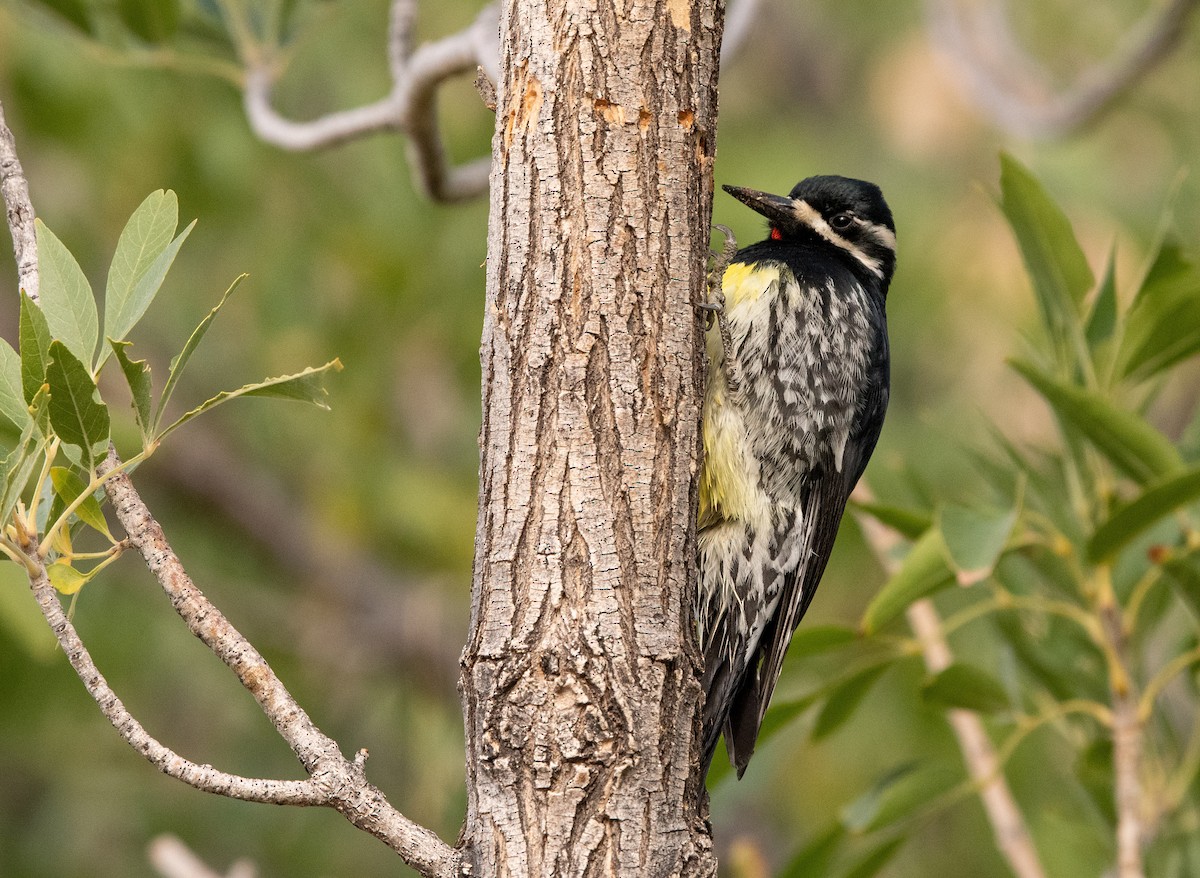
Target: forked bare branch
(409, 108)
(976, 38)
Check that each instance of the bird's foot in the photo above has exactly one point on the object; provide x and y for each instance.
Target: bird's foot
(714, 306)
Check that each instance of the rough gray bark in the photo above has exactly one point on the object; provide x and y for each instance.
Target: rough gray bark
(579, 678)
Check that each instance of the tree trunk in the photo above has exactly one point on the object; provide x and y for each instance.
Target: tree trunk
(579, 678)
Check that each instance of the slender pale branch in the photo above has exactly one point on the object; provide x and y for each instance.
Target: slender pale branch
(411, 107)
(1012, 835)
(19, 209)
(1014, 90)
(1127, 732)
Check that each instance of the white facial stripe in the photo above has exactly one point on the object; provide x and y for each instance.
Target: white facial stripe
(811, 217)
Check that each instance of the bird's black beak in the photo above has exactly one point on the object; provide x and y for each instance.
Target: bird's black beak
(775, 208)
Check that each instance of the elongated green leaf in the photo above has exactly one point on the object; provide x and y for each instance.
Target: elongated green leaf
(1059, 271)
(844, 700)
(12, 397)
(896, 795)
(1124, 438)
(1138, 516)
(816, 639)
(923, 571)
(35, 347)
(74, 11)
(179, 363)
(145, 238)
(77, 416)
(69, 485)
(907, 522)
(137, 375)
(66, 296)
(974, 539)
(18, 465)
(816, 857)
(873, 862)
(967, 687)
(1163, 326)
(1103, 317)
(304, 386)
(151, 20)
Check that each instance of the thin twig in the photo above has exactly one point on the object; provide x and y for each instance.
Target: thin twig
(1008, 825)
(174, 859)
(1127, 738)
(1015, 91)
(410, 108)
(15, 190)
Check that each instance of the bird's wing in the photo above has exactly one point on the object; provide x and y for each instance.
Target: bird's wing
(821, 514)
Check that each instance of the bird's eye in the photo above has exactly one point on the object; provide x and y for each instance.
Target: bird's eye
(841, 221)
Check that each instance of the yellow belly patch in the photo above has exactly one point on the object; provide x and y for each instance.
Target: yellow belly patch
(744, 283)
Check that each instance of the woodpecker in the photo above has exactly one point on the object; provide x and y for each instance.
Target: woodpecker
(796, 395)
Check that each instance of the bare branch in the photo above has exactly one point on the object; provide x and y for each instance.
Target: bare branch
(174, 859)
(410, 108)
(1127, 741)
(1015, 91)
(202, 777)
(15, 191)
(1008, 825)
(341, 783)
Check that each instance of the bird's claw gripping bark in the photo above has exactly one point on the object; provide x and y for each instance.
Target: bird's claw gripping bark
(714, 305)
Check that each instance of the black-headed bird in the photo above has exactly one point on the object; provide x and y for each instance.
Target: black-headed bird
(797, 390)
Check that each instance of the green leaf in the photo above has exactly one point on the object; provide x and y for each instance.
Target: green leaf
(844, 700)
(899, 794)
(1163, 326)
(874, 860)
(974, 539)
(909, 523)
(69, 486)
(816, 857)
(74, 11)
(1138, 516)
(65, 578)
(181, 360)
(1129, 442)
(77, 416)
(1059, 271)
(137, 375)
(816, 639)
(1183, 573)
(35, 341)
(967, 687)
(12, 397)
(922, 572)
(303, 386)
(66, 296)
(151, 20)
(1103, 317)
(144, 253)
(18, 464)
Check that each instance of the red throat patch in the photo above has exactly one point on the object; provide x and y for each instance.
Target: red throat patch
(776, 235)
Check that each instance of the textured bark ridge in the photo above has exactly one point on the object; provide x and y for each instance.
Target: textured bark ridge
(579, 676)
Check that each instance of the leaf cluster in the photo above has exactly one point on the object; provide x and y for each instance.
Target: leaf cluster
(52, 472)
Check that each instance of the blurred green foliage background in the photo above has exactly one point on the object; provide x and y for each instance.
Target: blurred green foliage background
(340, 542)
